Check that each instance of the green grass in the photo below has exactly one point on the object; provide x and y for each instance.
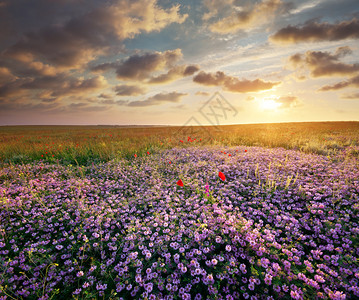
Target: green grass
(84, 145)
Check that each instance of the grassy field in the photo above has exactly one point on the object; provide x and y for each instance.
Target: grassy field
(88, 144)
(267, 211)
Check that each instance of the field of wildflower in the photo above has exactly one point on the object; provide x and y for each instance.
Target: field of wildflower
(180, 217)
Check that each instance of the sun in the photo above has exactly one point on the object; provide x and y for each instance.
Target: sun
(269, 103)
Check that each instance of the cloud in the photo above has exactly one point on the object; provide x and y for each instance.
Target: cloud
(81, 39)
(138, 67)
(353, 96)
(316, 32)
(200, 93)
(214, 6)
(108, 102)
(6, 75)
(287, 101)
(84, 107)
(129, 90)
(174, 73)
(247, 17)
(79, 86)
(141, 67)
(352, 82)
(53, 86)
(250, 98)
(105, 96)
(11, 89)
(233, 84)
(173, 97)
(7, 22)
(324, 63)
(103, 67)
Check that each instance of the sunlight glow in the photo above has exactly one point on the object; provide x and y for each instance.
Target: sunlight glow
(269, 104)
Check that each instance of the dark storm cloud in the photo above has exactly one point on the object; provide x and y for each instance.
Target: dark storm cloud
(352, 82)
(314, 31)
(233, 84)
(129, 90)
(324, 63)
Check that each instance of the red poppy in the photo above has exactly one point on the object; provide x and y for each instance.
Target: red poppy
(135, 155)
(148, 153)
(224, 152)
(245, 150)
(229, 155)
(179, 182)
(222, 176)
(181, 141)
(169, 162)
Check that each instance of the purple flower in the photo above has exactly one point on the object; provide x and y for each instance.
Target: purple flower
(59, 247)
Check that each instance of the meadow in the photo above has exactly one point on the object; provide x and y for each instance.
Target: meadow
(84, 145)
(263, 211)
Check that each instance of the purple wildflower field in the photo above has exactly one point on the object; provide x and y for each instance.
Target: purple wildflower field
(282, 225)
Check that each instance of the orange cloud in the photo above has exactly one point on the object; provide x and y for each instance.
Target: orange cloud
(199, 93)
(247, 17)
(6, 75)
(315, 32)
(233, 84)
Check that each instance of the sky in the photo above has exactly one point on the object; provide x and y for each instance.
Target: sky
(166, 62)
